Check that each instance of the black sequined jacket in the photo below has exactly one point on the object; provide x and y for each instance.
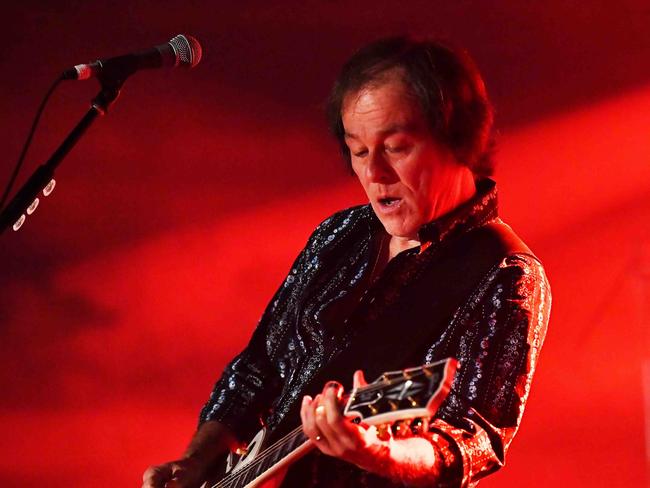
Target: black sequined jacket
(496, 334)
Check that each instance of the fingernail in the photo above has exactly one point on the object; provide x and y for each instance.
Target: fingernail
(306, 399)
(331, 384)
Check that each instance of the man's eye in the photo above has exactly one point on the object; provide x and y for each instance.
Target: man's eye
(360, 154)
(395, 149)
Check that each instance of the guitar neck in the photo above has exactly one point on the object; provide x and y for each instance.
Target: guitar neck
(395, 395)
(268, 462)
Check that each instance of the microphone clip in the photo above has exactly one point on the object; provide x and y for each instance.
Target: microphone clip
(110, 90)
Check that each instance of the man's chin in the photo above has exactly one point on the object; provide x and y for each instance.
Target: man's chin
(399, 230)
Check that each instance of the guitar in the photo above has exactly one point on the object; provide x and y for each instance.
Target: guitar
(394, 396)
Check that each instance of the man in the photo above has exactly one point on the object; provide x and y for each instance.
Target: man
(426, 271)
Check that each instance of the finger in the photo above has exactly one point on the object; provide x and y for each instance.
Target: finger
(304, 408)
(305, 414)
(179, 478)
(155, 476)
(358, 379)
(307, 417)
(334, 385)
(324, 436)
(330, 422)
(330, 401)
(330, 404)
(178, 483)
(318, 411)
(344, 429)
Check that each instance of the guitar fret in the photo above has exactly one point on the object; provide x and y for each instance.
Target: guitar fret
(267, 463)
(299, 441)
(284, 448)
(248, 476)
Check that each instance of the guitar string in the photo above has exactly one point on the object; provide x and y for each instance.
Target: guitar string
(258, 460)
(285, 440)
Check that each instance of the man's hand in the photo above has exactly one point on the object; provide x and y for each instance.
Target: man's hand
(210, 442)
(408, 460)
(335, 435)
(183, 473)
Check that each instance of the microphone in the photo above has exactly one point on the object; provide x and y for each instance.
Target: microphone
(182, 50)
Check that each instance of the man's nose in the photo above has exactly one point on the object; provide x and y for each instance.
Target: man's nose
(379, 169)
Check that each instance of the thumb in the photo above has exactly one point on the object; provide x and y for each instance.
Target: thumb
(179, 477)
(177, 482)
(358, 379)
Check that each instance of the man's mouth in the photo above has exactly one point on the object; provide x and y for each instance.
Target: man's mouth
(389, 201)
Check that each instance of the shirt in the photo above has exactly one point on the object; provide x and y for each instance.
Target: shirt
(496, 335)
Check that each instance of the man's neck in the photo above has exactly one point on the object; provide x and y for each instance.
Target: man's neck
(461, 190)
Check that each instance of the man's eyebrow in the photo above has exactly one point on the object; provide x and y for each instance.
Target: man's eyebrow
(392, 129)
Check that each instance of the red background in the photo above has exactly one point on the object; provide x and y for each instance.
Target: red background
(176, 217)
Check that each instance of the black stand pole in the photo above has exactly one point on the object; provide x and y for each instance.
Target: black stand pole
(24, 202)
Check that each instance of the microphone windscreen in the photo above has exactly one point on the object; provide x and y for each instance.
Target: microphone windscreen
(188, 50)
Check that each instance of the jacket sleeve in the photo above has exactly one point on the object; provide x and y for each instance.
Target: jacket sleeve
(251, 380)
(502, 327)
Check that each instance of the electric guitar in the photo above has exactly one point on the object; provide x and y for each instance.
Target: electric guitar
(394, 396)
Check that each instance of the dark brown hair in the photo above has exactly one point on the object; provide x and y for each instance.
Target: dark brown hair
(446, 84)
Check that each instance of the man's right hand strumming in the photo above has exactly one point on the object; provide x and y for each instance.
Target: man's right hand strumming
(183, 473)
(211, 441)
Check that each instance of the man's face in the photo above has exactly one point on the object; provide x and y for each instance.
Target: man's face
(402, 169)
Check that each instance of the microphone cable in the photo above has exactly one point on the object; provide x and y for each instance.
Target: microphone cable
(28, 142)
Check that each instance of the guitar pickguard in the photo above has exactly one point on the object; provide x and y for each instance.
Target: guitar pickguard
(237, 460)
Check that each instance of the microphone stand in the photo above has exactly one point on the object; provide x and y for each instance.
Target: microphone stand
(26, 199)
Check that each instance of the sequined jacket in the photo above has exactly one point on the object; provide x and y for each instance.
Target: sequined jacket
(496, 334)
